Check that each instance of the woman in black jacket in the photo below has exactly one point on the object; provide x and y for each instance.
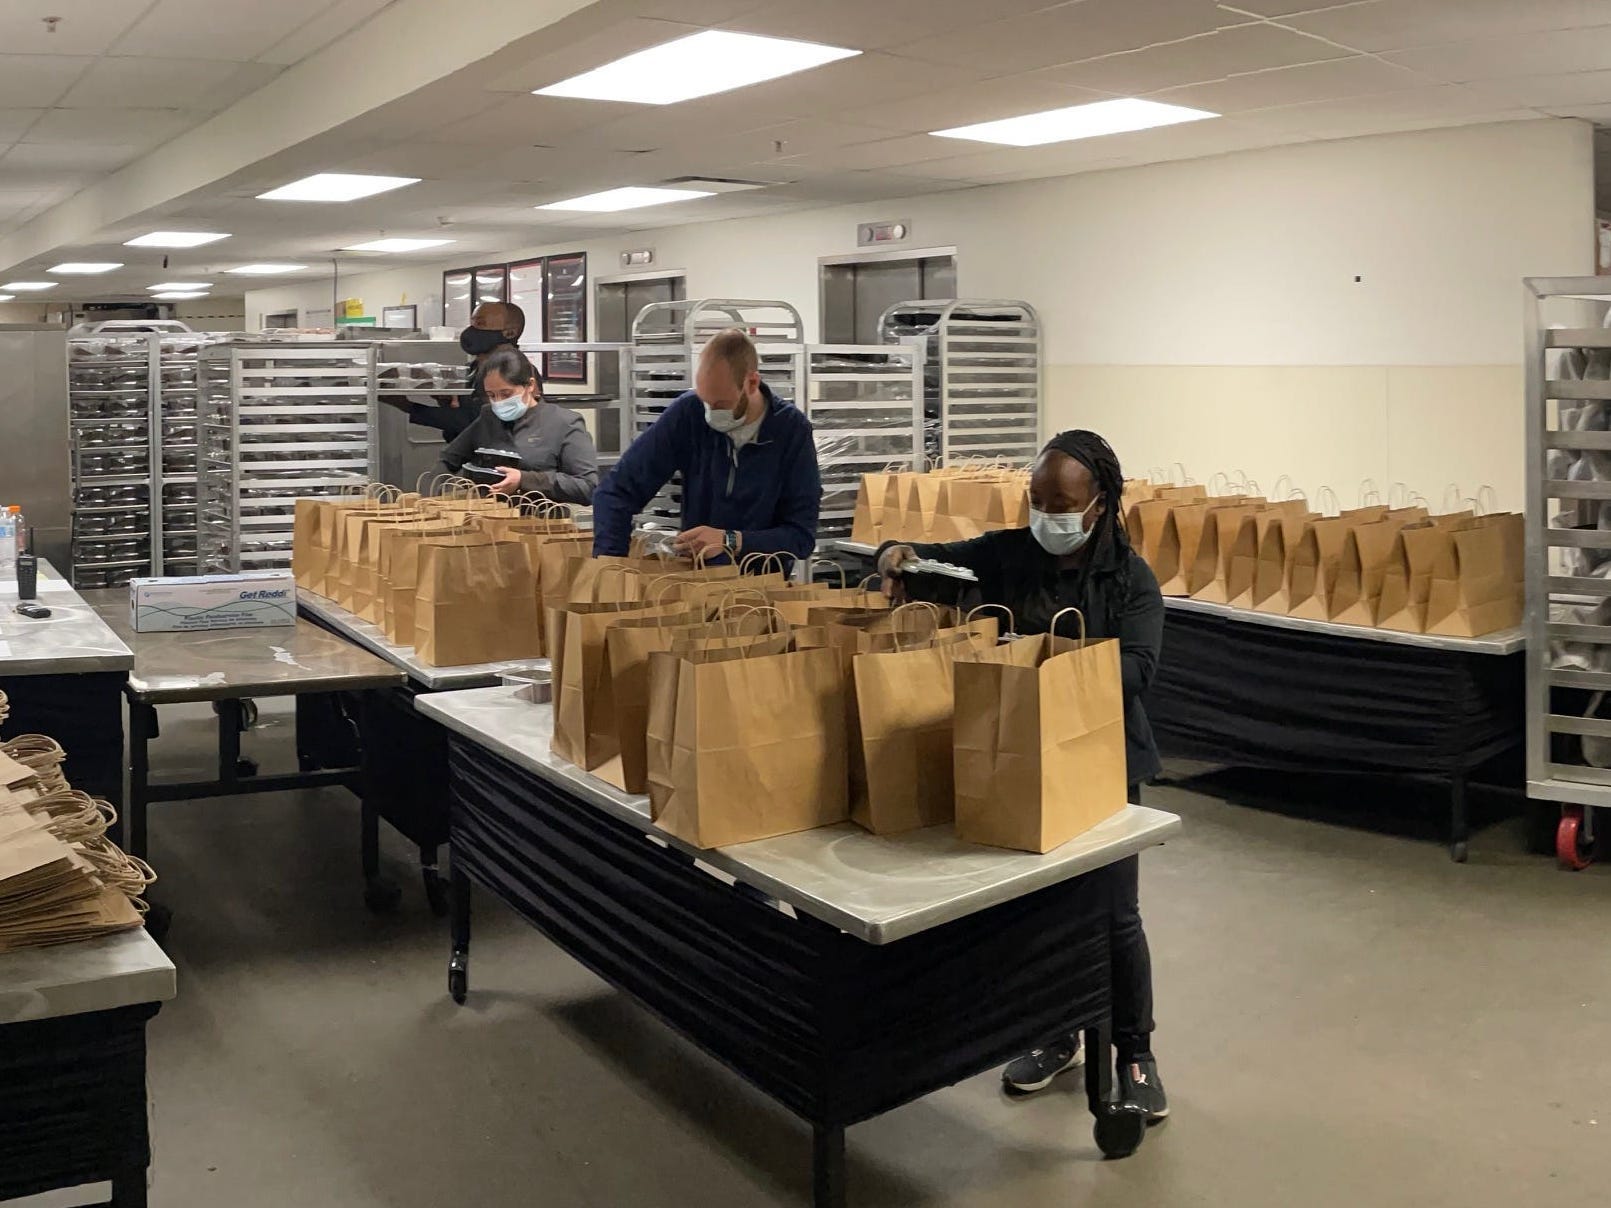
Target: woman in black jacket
(1075, 554)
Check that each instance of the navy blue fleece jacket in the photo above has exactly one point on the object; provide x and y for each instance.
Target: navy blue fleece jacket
(769, 491)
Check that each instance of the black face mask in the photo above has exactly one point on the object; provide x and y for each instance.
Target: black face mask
(478, 341)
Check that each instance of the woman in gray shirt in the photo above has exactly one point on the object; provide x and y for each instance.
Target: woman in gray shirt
(521, 442)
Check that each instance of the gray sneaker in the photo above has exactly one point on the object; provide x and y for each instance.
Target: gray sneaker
(1035, 1070)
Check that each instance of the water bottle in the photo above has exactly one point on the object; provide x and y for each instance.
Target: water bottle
(8, 541)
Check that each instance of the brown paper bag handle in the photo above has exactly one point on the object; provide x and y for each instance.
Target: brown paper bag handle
(725, 600)
(1185, 479)
(1012, 622)
(1452, 497)
(763, 561)
(838, 566)
(921, 606)
(1326, 501)
(1052, 628)
(1486, 499)
(623, 571)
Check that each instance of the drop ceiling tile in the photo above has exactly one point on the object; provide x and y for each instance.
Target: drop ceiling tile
(133, 127)
(199, 84)
(1357, 76)
(984, 101)
(1600, 114)
(13, 124)
(887, 152)
(873, 26)
(1383, 25)
(63, 160)
(788, 139)
(866, 186)
(35, 81)
(1195, 60)
(87, 27)
(1409, 109)
(335, 21)
(1550, 91)
(196, 29)
(420, 112)
(523, 120)
(1554, 52)
(694, 12)
(1070, 33)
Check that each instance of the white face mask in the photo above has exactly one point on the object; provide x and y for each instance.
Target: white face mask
(724, 421)
(509, 409)
(1060, 533)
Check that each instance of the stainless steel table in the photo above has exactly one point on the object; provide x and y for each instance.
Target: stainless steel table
(72, 1061)
(64, 677)
(330, 615)
(903, 964)
(230, 668)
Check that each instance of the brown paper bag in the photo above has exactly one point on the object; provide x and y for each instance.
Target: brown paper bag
(1362, 568)
(1039, 742)
(1276, 535)
(476, 604)
(1474, 587)
(900, 734)
(1180, 546)
(872, 497)
(788, 773)
(584, 721)
(1221, 525)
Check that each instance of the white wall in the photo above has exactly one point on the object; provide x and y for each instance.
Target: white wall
(1245, 260)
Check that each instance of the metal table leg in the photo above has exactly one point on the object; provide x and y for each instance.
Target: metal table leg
(1120, 1127)
(459, 961)
(142, 729)
(1459, 827)
(827, 1167)
(128, 1188)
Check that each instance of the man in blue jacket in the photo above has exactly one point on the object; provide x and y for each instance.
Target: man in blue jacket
(747, 458)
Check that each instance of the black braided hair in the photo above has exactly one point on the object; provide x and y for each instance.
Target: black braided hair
(1109, 540)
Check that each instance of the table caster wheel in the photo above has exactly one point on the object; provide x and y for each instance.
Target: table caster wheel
(436, 893)
(1120, 1129)
(382, 897)
(1573, 850)
(1458, 852)
(459, 977)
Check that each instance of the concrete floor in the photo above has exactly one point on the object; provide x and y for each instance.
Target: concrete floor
(1346, 1018)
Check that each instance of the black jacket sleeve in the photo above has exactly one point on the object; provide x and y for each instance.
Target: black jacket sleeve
(1140, 629)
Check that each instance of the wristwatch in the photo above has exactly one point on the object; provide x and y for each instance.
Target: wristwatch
(732, 539)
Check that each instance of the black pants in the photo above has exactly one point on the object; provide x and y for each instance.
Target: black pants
(1132, 961)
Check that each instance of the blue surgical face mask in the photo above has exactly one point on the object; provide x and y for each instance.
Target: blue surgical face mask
(1059, 533)
(510, 409)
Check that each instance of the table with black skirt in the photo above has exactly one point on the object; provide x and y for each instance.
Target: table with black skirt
(404, 756)
(72, 1065)
(1260, 690)
(887, 967)
(63, 675)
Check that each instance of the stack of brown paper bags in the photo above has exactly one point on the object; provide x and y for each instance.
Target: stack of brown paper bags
(48, 893)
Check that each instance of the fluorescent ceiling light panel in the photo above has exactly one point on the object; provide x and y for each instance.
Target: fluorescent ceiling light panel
(698, 65)
(176, 239)
(179, 295)
(336, 186)
(23, 286)
(181, 285)
(84, 266)
(265, 270)
(396, 245)
(631, 198)
(1077, 121)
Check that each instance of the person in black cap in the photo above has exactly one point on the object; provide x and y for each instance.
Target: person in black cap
(1075, 554)
(494, 327)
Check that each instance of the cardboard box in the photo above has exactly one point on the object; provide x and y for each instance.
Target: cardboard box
(246, 601)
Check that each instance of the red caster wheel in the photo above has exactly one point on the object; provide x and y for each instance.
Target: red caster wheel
(1573, 850)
